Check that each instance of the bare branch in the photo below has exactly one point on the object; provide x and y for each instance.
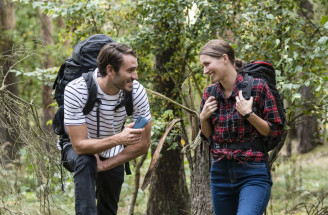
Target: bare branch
(172, 101)
(136, 183)
(193, 76)
(180, 92)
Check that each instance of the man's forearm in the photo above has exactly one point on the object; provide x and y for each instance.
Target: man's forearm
(95, 146)
(83, 145)
(129, 153)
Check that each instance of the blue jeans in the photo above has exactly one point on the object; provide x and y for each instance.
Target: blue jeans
(237, 188)
(89, 185)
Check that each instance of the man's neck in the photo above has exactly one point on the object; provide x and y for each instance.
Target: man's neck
(106, 86)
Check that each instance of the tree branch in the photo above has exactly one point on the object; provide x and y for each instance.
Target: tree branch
(172, 101)
(156, 156)
(193, 76)
(181, 94)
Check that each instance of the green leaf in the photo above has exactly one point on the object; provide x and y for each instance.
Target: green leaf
(298, 68)
(270, 16)
(326, 25)
(49, 122)
(323, 40)
(324, 20)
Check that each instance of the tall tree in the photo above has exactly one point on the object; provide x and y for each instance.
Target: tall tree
(307, 130)
(47, 98)
(8, 79)
(168, 192)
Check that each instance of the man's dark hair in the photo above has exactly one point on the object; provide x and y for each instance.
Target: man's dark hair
(112, 54)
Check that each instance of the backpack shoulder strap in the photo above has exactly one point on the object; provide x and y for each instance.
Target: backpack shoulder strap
(247, 85)
(59, 75)
(213, 90)
(128, 102)
(92, 92)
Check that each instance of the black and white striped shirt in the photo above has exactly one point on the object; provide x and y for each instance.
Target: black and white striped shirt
(111, 122)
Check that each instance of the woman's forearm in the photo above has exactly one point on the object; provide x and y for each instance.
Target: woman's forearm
(206, 128)
(260, 125)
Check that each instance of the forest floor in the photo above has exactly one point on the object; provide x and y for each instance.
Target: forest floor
(300, 183)
(303, 178)
(300, 187)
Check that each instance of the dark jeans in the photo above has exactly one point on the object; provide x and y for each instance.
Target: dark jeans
(89, 185)
(242, 189)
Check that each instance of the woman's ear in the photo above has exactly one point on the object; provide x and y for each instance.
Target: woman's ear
(225, 58)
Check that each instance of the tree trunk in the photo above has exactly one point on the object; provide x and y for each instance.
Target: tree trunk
(47, 98)
(307, 131)
(168, 191)
(61, 24)
(9, 133)
(291, 137)
(201, 202)
(199, 162)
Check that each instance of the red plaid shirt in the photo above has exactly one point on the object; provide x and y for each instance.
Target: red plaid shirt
(230, 127)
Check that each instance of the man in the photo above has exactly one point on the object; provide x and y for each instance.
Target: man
(97, 154)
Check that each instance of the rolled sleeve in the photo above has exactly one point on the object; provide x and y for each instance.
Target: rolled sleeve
(270, 112)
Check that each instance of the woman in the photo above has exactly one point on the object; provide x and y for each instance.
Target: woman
(240, 175)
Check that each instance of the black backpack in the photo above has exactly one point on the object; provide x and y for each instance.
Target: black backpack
(83, 63)
(263, 70)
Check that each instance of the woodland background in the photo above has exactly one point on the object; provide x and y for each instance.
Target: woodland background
(37, 36)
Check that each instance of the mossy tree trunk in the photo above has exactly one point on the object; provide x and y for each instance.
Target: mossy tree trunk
(168, 191)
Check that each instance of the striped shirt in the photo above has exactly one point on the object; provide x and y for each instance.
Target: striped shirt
(111, 122)
(230, 127)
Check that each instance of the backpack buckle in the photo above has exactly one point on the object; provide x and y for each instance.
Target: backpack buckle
(245, 83)
(221, 146)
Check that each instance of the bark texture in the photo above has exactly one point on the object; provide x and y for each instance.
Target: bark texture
(201, 203)
(307, 131)
(168, 190)
(8, 135)
(47, 98)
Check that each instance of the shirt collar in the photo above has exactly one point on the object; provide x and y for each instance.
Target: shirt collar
(235, 90)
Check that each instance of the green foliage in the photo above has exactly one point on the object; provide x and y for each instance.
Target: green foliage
(84, 18)
(159, 126)
(174, 29)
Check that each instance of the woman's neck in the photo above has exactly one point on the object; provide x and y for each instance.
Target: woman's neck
(229, 81)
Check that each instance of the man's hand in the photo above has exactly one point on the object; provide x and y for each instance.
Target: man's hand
(130, 152)
(100, 164)
(130, 136)
(210, 106)
(243, 106)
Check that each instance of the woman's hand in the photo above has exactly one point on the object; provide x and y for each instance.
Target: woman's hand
(210, 106)
(243, 106)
